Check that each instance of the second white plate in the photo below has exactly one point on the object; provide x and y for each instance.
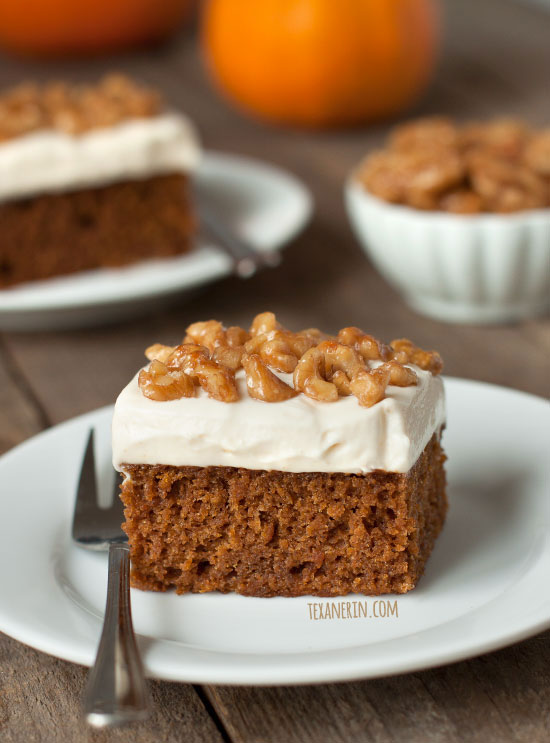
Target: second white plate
(262, 203)
(486, 583)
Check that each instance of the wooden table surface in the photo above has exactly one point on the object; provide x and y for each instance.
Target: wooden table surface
(496, 59)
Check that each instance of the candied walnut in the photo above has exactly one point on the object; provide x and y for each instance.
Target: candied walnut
(130, 98)
(262, 383)
(537, 152)
(400, 376)
(159, 351)
(369, 348)
(380, 176)
(462, 201)
(432, 131)
(315, 371)
(503, 137)
(277, 352)
(324, 367)
(309, 380)
(225, 345)
(274, 349)
(431, 164)
(504, 186)
(280, 349)
(405, 352)
(419, 199)
(229, 356)
(20, 111)
(433, 171)
(236, 336)
(315, 335)
(339, 357)
(184, 356)
(216, 380)
(369, 385)
(341, 382)
(414, 177)
(209, 333)
(159, 383)
(74, 108)
(264, 323)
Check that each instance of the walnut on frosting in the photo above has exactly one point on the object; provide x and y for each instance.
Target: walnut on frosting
(75, 108)
(323, 367)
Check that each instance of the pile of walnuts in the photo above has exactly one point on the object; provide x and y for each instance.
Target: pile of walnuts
(499, 166)
(324, 367)
(74, 108)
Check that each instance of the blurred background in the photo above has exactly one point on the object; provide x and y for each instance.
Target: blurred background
(468, 59)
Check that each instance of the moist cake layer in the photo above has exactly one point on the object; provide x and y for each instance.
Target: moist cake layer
(281, 533)
(54, 235)
(297, 435)
(52, 161)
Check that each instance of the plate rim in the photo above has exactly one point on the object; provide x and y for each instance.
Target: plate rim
(289, 674)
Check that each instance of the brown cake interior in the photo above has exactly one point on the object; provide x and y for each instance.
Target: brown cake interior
(262, 533)
(55, 234)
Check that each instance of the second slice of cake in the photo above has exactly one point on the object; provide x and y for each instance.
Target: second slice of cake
(273, 463)
(91, 176)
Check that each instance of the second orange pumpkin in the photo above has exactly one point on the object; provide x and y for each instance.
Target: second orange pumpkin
(321, 62)
(58, 27)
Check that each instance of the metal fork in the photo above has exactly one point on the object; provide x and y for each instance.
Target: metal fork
(116, 691)
(246, 259)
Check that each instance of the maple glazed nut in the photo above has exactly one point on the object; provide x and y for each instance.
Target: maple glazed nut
(74, 109)
(262, 384)
(279, 348)
(369, 348)
(496, 166)
(404, 351)
(323, 367)
(537, 153)
(264, 322)
(161, 384)
(159, 352)
(434, 131)
(194, 362)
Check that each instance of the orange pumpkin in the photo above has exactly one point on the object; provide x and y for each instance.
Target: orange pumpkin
(321, 62)
(54, 27)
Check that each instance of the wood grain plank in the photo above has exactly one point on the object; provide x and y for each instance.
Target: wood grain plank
(22, 416)
(40, 703)
(503, 696)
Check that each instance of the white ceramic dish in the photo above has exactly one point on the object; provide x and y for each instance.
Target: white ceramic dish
(265, 205)
(486, 583)
(484, 268)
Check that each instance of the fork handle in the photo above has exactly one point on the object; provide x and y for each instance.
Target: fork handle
(116, 691)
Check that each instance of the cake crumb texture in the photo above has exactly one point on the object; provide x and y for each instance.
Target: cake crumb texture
(272, 533)
(121, 223)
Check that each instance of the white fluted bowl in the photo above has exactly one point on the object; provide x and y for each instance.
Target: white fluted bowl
(485, 268)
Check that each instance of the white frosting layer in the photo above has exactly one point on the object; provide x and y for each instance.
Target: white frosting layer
(298, 435)
(49, 160)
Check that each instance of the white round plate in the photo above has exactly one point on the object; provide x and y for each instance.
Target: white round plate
(263, 204)
(486, 583)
